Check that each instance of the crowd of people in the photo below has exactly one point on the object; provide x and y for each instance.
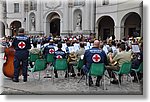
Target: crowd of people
(113, 53)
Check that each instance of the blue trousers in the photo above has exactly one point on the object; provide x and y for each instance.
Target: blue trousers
(21, 57)
(85, 69)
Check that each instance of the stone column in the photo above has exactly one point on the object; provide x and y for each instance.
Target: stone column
(44, 23)
(38, 16)
(46, 27)
(65, 19)
(70, 20)
(61, 25)
(22, 11)
(141, 33)
(118, 32)
(96, 31)
(7, 30)
(141, 13)
(1, 9)
(86, 16)
(93, 11)
(1, 17)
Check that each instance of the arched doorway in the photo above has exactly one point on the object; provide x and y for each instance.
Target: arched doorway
(2, 29)
(55, 27)
(131, 24)
(105, 27)
(14, 26)
(53, 24)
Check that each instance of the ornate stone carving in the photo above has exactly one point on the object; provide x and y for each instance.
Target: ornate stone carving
(79, 2)
(53, 4)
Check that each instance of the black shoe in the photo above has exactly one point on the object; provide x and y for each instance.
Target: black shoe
(56, 75)
(90, 83)
(73, 75)
(24, 80)
(115, 82)
(15, 80)
(66, 75)
(97, 84)
(78, 74)
(48, 76)
(135, 80)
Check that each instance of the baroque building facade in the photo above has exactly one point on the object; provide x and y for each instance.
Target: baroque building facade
(105, 18)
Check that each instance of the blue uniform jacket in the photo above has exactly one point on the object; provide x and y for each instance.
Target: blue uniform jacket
(94, 55)
(49, 49)
(21, 42)
(59, 54)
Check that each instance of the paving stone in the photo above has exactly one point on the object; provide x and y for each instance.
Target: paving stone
(62, 86)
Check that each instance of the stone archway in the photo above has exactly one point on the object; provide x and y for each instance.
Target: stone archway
(53, 24)
(2, 29)
(131, 25)
(14, 27)
(105, 27)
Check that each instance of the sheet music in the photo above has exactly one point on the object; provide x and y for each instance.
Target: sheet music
(64, 47)
(56, 48)
(91, 44)
(32, 46)
(39, 46)
(86, 47)
(71, 49)
(114, 49)
(76, 47)
(135, 48)
(87, 44)
(82, 56)
(105, 49)
(91, 47)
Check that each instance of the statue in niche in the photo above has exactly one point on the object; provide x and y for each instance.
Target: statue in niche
(33, 23)
(79, 20)
(78, 24)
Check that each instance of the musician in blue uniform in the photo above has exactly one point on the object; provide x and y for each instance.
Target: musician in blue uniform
(59, 54)
(93, 55)
(21, 44)
(49, 49)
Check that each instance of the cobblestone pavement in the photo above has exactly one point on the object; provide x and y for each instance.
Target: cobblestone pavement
(63, 86)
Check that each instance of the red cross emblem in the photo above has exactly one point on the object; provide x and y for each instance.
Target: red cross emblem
(96, 58)
(59, 57)
(51, 51)
(21, 45)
